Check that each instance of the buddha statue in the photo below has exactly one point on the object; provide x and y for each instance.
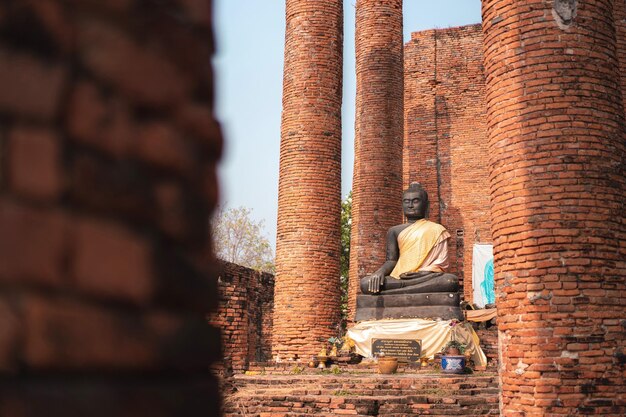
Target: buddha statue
(412, 282)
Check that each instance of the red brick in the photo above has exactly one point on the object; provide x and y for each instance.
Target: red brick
(141, 74)
(35, 163)
(196, 120)
(171, 209)
(99, 122)
(30, 87)
(55, 20)
(10, 336)
(307, 275)
(120, 6)
(74, 336)
(378, 137)
(83, 326)
(576, 67)
(111, 261)
(33, 244)
(162, 145)
(445, 111)
(198, 10)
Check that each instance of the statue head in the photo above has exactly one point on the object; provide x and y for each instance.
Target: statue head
(415, 202)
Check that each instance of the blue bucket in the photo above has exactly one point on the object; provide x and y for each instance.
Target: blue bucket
(453, 364)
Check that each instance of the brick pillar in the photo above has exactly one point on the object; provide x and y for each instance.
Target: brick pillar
(306, 311)
(556, 143)
(377, 181)
(107, 182)
(619, 17)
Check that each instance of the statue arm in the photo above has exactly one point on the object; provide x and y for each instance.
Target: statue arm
(377, 279)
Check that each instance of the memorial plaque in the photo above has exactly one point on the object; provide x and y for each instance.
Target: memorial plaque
(407, 349)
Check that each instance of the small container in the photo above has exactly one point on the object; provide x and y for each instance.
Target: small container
(453, 364)
(387, 365)
(322, 361)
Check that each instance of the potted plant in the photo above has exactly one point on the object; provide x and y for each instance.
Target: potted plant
(454, 347)
(453, 358)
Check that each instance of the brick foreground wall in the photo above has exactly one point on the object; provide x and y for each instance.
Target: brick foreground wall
(244, 316)
(557, 148)
(107, 181)
(445, 141)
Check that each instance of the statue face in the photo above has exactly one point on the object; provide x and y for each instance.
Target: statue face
(414, 204)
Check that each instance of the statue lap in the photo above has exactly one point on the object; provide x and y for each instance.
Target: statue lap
(415, 283)
(421, 294)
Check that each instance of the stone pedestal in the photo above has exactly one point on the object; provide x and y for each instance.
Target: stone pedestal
(428, 305)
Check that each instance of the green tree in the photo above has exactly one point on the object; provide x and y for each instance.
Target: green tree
(240, 240)
(344, 259)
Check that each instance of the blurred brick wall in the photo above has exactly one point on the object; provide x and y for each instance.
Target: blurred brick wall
(445, 141)
(306, 309)
(107, 181)
(557, 146)
(244, 316)
(377, 178)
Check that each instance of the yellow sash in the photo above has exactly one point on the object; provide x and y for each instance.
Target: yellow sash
(415, 242)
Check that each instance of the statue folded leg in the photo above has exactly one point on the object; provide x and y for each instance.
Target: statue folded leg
(416, 283)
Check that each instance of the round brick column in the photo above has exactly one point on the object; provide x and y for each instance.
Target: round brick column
(556, 145)
(377, 181)
(306, 306)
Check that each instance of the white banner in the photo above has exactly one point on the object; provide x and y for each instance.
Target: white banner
(482, 275)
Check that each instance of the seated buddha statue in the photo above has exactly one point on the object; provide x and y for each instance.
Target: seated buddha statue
(417, 253)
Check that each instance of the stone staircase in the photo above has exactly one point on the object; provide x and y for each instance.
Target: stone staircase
(364, 394)
(290, 390)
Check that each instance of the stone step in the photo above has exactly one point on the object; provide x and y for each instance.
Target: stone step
(369, 406)
(364, 395)
(372, 381)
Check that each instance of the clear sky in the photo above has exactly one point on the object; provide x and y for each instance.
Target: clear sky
(249, 70)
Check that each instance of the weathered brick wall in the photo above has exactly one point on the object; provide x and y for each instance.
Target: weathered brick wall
(377, 181)
(306, 309)
(244, 316)
(619, 18)
(445, 141)
(556, 145)
(107, 181)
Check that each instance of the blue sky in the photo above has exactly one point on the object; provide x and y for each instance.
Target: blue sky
(249, 69)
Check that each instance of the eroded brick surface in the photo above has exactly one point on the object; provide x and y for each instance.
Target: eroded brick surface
(244, 316)
(445, 145)
(306, 306)
(377, 180)
(556, 146)
(619, 18)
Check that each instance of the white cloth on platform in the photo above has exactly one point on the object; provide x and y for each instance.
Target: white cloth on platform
(434, 335)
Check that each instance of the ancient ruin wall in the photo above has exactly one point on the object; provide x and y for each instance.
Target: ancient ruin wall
(306, 309)
(244, 316)
(445, 139)
(556, 146)
(107, 181)
(377, 183)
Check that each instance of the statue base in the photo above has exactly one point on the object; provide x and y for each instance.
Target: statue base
(437, 305)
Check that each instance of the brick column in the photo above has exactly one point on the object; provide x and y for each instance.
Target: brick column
(619, 17)
(377, 183)
(556, 143)
(306, 308)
